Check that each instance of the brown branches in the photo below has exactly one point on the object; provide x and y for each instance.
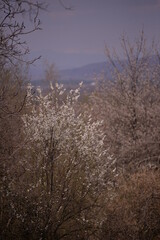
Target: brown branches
(14, 16)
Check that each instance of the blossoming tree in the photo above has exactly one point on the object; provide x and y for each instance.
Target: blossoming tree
(67, 163)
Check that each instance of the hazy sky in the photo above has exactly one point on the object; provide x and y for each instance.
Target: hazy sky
(75, 38)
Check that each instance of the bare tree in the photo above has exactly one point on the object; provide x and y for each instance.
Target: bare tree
(129, 104)
(19, 18)
(133, 211)
(13, 17)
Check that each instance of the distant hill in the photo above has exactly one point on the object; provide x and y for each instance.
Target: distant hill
(87, 73)
(72, 77)
(84, 73)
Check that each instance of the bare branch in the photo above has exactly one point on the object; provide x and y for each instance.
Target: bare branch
(14, 15)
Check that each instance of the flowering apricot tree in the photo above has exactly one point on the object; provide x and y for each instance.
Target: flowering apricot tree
(67, 159)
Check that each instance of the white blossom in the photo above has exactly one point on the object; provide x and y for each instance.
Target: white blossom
(55, 123)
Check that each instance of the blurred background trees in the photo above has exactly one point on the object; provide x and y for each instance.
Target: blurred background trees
(133, 211)
(129, 105)
(71, 168)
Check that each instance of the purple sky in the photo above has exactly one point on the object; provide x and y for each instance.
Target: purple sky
(78, 37)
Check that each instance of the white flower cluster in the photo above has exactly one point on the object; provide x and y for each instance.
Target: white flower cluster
(53, 122)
